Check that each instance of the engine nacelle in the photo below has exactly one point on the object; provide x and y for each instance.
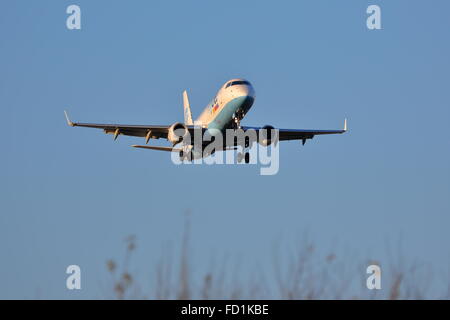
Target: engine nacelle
(177, 132)
(265, 136)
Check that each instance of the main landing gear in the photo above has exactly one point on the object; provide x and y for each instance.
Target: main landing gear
(243, 156)
(185, 156)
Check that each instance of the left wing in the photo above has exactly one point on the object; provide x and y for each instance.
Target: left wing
(301, 134)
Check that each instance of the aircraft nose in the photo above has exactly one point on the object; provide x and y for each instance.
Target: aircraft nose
(245, 90)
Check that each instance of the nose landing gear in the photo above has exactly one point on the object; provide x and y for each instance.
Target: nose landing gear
(237, 117)
(244, 155)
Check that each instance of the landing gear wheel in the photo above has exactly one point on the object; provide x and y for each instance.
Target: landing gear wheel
(236, 123)
(240, 157)
(187, 156)
(247, 142)
(247, 157)
(237, 117)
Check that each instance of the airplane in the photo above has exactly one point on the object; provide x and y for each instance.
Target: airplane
(226, 110)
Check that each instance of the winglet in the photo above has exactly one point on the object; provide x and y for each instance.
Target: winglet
(345, 125)
(70, 123)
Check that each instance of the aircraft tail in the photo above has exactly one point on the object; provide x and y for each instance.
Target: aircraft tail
(187, 110)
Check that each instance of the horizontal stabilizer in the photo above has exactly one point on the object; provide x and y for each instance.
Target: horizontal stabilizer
(170, 149)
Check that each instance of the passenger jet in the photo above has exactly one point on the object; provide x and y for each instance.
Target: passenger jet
(225, 112)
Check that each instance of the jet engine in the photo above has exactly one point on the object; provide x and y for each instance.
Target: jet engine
(177, 132)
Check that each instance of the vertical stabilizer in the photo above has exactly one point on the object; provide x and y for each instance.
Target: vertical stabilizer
(187, 110)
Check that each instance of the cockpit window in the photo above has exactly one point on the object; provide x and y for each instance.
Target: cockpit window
(234, 83)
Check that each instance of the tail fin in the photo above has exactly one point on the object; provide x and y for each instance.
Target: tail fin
(187, 110)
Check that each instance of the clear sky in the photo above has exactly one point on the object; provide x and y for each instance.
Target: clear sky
(71, 195)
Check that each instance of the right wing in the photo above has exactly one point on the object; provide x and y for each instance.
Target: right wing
(147, 131)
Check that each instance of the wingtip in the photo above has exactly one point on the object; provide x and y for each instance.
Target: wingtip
(70, 123)
(345, 125)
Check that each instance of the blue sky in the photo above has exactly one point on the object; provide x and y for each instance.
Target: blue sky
(71, 195)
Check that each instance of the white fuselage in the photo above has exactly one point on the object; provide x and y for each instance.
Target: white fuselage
(233, 100)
